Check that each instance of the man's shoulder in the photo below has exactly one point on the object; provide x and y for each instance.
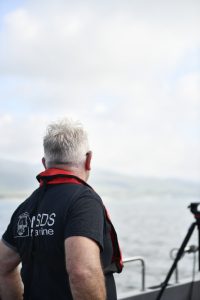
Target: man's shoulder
(26, 201)
(89, 195)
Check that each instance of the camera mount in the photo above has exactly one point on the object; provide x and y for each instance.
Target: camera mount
(195, 209)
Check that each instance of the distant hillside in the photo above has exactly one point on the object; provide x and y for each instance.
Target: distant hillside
(119, 185)
(19, 179)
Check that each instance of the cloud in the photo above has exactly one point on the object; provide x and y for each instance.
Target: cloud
(130, 71)
(70, 42)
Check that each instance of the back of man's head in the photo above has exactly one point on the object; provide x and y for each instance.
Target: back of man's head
(65, 142)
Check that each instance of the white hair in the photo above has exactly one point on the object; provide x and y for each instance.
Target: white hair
(65, 142)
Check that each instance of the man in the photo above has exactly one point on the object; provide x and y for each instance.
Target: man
(61, 234)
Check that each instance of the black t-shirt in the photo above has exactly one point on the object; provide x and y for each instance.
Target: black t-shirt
(37, 232)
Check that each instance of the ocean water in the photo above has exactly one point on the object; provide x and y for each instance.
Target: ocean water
(148, 225)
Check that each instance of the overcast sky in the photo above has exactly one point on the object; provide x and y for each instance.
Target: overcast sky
(129, 70)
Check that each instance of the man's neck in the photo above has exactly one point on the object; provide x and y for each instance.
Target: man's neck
(75, 171)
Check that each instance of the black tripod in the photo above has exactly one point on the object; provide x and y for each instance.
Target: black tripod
(195, 209)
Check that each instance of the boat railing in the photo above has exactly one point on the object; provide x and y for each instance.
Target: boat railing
(143, 268)
(190, 249)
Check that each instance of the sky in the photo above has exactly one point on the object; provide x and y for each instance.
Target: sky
(128, 70)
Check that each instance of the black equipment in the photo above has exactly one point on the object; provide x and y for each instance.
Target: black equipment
(195, 209)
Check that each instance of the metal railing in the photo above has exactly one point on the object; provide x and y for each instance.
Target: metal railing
(191, 249)
(143, 268)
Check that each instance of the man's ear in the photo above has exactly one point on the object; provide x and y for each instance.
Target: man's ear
(88, 160)
(44, 163)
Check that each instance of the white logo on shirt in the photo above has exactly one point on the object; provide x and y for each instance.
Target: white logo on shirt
(38, 225)
(23, 225)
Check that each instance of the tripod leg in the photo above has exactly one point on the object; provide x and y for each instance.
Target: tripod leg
(198, 225)
(179, 254)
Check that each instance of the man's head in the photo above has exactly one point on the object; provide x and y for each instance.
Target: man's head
(66, 146)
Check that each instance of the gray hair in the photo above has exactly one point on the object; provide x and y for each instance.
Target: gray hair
(65, 142)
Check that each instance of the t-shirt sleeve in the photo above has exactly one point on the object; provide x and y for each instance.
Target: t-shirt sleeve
(8, 236)
(86, 218)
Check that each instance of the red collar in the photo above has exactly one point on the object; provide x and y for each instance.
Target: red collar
(57, 176)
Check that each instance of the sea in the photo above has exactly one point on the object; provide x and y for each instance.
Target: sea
(149, 223)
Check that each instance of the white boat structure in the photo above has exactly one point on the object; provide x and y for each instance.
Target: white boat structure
(186, 290)
(181, 291)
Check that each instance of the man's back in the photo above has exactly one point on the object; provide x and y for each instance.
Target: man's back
(41, 224)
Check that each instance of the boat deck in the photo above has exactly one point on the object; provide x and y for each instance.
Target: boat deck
(184, 291)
